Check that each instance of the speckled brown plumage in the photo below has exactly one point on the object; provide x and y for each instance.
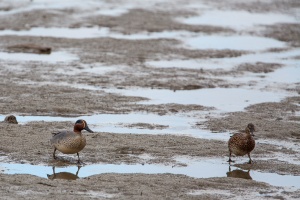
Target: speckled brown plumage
(70, 142)
(11, 119)
(242, 143)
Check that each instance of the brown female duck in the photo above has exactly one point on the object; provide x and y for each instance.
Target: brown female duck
(242, 143)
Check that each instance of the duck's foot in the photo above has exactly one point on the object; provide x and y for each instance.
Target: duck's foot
(250, 162)
(80, 163)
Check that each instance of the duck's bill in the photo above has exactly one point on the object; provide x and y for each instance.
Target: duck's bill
(88, 129)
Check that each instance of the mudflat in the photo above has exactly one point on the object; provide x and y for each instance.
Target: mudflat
(89, 75)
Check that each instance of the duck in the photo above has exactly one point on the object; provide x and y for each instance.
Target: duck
(11, 119)
(242, 143)
(70, 142)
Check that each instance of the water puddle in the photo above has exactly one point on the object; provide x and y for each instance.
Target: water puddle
(95, 32)
(284, 58)
(247, 43)
(122, 124)
(75, 33)
(220, 98)
(285, 75)
(91, 6)
(204, 168)
(247, 20)
(54, 57)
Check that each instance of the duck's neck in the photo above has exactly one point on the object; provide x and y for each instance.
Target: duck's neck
(248, 132)
(77, 131)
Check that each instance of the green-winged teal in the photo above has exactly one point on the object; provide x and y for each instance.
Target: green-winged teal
(70, 142)
(11, 119)
(242, 143)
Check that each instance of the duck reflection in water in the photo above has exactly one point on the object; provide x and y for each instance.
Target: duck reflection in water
(238, 173)
(63, 175)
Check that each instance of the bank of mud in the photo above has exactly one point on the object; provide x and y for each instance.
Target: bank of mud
(74, 89)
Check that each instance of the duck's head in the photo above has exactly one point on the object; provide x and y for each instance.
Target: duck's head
(251, 128)
(11, 119)
(81, 125)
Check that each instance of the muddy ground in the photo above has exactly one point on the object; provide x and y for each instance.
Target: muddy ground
(38, 88)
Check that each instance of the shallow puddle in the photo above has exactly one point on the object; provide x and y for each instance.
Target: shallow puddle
(119, 123)
(285, 58)
(91, 6)
(54, 57)
(220, 98)
(285, 75)
(95, 32)
(195, 168)
(247, 20)
(237, 42)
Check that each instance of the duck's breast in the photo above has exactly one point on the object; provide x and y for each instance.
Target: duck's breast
(68, 142)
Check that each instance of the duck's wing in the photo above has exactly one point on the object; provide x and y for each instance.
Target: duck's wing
(58, 136)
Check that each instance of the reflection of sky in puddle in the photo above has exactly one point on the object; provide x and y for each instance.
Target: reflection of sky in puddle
(224, 99)
(247, 43)
(60, 32)
(204, 168)
(285, 58)
(51, 58)
(189, 38)
(91, 6)
(114, 123)
(285, 75)
(94, 32)
(228, 18)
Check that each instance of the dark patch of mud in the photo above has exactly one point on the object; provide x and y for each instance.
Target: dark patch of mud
(291, 33)
(132, 186)
(259, 67)
(36, 88)
(137, 20)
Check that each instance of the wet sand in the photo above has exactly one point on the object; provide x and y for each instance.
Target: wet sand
(76, 88)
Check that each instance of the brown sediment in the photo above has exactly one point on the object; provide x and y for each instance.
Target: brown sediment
(65, 89)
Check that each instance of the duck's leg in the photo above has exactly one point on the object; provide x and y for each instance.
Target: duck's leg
(78, 158)
(54, 153)
(78, 170)
(54, 175)
(250, 160)
(230, 158)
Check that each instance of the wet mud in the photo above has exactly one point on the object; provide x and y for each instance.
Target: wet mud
(89, 70)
